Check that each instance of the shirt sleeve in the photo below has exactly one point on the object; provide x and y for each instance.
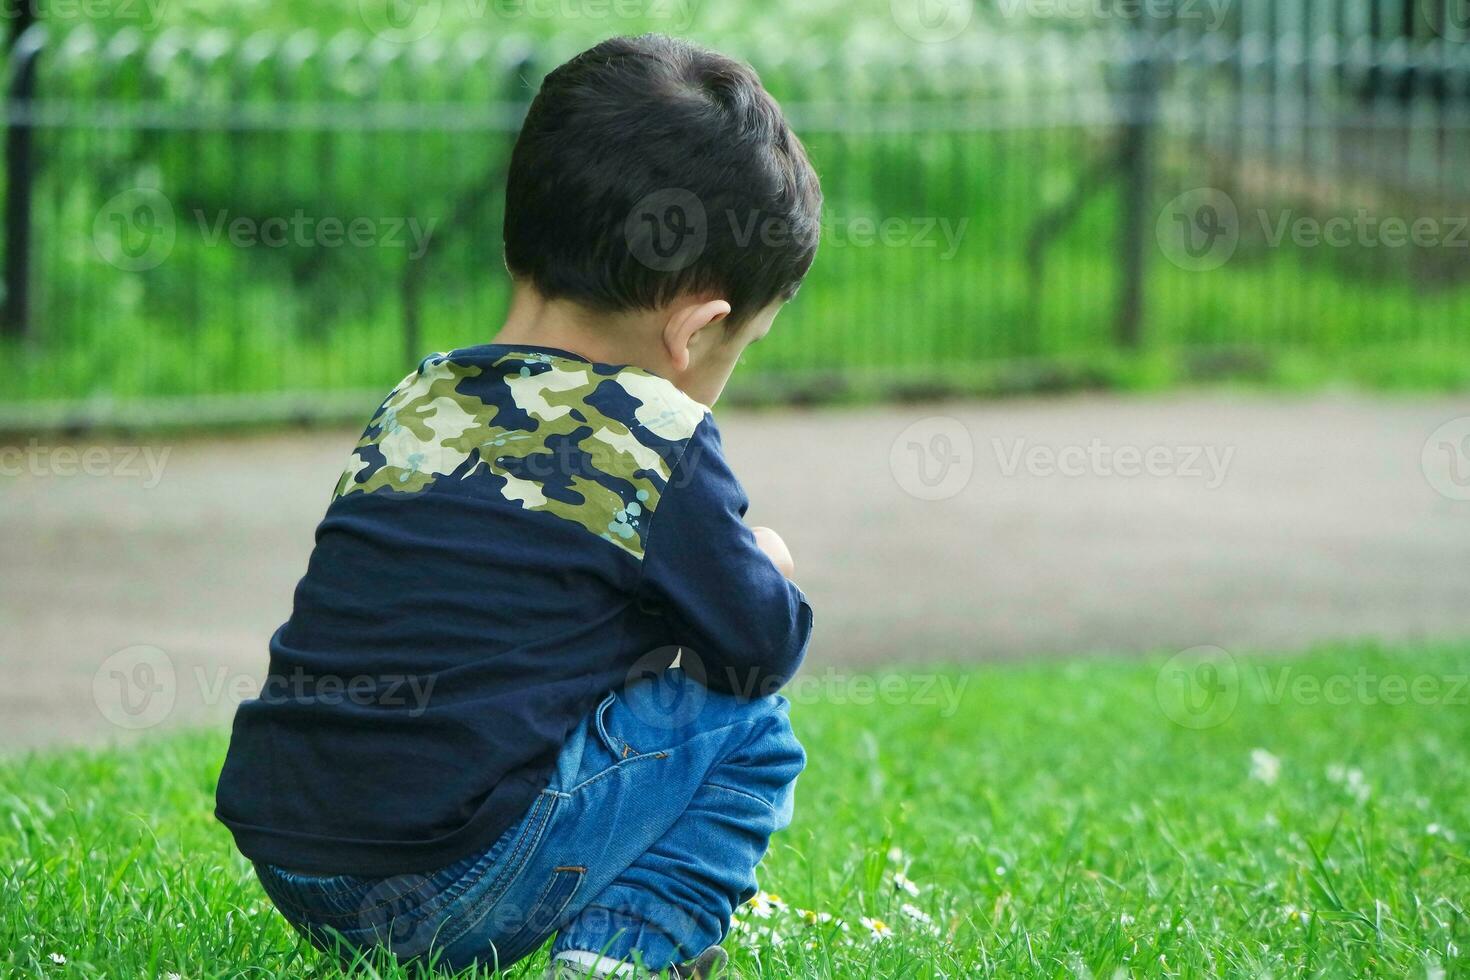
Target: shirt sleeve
(743, 626)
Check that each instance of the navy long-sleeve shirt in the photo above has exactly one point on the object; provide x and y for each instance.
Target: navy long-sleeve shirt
(515, 532)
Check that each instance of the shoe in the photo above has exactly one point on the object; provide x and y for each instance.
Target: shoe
(708, 965)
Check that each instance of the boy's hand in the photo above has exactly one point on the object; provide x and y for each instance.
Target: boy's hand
(770, 542)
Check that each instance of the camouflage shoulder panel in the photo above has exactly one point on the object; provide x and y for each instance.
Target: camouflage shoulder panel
(592, 444)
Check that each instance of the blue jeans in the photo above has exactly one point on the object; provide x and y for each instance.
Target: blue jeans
(646, 840)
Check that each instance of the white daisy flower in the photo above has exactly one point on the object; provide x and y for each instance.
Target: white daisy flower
(920, 917)
(58, 959)
(809, 918)
(1351, 778)
(1265, 767)
(760, 906)
(902, 882)
(878, 930)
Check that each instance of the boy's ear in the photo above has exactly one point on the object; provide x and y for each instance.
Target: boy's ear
(684, 325)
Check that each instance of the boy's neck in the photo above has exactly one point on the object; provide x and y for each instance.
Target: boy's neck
(613, 338)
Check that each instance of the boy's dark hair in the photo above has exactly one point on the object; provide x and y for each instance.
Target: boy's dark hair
(650, 168)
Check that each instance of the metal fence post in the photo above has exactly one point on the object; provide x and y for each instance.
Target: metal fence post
(1136, 165)
(23, 51)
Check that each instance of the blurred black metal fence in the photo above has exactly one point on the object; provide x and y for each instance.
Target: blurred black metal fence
(202, 226)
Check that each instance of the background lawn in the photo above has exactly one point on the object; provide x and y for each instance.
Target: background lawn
(1056, 820)
(978, 216)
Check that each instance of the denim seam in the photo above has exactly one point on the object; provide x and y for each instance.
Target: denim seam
(506, 878)
(608, 739)
(512, 942)
(321, 917)
(660, 754)
(464, 884)
(275, 873)
(331, 918)
(740, 792)
(618, 766)
(335, 891)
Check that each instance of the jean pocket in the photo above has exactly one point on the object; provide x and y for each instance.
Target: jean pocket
(543, 917)
(605, 730)
(407, 913)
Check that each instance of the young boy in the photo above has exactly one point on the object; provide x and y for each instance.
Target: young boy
(470, 737)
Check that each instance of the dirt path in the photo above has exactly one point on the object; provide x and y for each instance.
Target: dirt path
(1254, 523)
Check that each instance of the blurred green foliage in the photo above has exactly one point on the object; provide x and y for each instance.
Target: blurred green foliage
(974, 218)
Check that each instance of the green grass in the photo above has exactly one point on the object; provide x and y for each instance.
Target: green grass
(950, 291)
(1055, 821)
